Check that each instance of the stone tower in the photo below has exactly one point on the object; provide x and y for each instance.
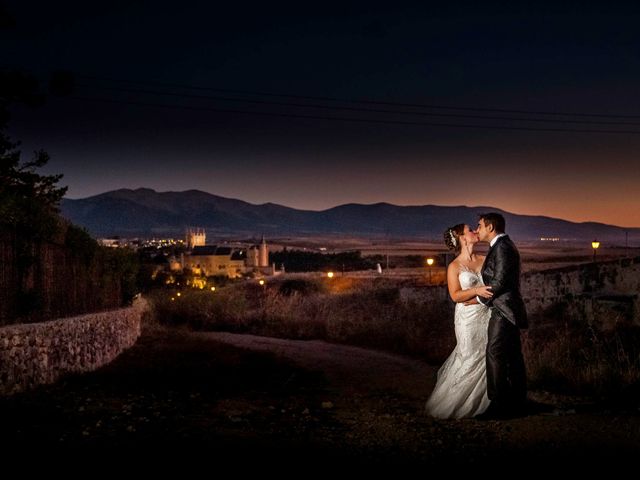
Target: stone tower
(263, 253)
(253, 258)
(196, 237)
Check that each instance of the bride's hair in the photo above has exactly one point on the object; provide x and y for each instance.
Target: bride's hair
(452, 237)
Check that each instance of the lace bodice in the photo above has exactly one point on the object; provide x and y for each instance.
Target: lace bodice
(469, 279)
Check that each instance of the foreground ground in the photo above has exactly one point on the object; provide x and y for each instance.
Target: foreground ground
(239, 397)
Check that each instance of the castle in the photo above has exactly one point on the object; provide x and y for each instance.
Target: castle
(195, 238)
(210, 260)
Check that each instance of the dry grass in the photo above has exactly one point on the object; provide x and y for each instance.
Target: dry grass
(357, 311)
(370, 312)
(579, 359)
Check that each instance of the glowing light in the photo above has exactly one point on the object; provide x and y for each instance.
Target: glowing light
(178, 294)
(261, 282)
(595, 245)
(213, 289)
(430, 262)
(330, 274)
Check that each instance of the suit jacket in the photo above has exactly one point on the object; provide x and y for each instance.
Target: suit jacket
(501, 270)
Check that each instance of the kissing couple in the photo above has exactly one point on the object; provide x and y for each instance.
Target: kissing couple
(484, 377)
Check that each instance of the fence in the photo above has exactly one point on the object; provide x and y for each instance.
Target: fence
(44, 280)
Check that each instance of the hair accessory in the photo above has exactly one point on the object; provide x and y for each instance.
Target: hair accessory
(454, 240)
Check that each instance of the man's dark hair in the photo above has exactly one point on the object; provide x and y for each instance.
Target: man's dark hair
(494, 219)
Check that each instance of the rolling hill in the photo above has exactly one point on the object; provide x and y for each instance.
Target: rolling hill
(145, 212)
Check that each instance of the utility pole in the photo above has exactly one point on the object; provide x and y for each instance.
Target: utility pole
(387, 235)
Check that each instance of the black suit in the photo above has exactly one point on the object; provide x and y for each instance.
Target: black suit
(506, 376)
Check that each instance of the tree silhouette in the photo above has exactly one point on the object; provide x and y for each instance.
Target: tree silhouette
(28, 200)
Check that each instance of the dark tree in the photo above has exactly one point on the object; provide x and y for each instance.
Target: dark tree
(304, 261)
(28, 200)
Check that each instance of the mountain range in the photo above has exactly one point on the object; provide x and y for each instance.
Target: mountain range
(145, 212)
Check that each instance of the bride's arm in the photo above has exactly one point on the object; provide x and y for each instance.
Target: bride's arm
(456, 292)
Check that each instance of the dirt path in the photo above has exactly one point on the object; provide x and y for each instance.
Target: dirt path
(377, 401)
(351, 370)
(237, 397)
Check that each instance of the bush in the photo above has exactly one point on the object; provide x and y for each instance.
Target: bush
(300, 286)
(354, 312)
(579, 359)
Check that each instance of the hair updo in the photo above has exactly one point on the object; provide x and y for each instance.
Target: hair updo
(452, 237)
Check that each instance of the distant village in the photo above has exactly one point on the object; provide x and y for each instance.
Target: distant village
(204, 260)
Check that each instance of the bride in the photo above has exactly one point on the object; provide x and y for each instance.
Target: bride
(461, 387)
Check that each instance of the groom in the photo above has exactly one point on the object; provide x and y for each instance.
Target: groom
(506, 376)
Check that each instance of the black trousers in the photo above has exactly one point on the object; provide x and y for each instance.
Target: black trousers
(506, 375)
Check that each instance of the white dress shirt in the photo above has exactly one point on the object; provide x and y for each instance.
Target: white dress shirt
(495, 239)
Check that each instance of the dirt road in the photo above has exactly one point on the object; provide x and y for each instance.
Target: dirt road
(232, 397)
(377, 398)
(350, 370)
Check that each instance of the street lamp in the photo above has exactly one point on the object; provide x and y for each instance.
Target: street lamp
(262, 298)
(430, 262)
(595, 245)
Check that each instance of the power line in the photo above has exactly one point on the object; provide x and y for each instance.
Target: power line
(356, 109)
(347, 100)
(350, 119)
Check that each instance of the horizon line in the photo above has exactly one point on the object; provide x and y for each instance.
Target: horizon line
(354, 203)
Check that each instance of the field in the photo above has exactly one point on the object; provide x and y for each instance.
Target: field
(398, 253)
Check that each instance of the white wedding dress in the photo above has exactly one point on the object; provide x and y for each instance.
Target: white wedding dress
(461, 388)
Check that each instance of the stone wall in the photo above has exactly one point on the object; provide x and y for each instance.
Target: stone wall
(40, 353)
(603, 294)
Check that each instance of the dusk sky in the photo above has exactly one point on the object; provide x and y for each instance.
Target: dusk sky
(534, 109)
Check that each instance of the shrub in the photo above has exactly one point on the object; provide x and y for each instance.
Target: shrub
(580, 359)
(299, 285)
(362, 312)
